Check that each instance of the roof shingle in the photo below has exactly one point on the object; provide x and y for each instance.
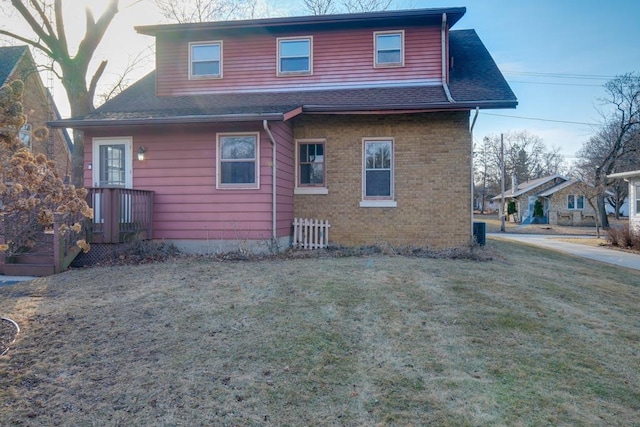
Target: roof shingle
(9, 57)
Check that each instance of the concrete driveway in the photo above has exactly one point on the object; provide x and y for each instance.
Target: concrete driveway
(609, 256)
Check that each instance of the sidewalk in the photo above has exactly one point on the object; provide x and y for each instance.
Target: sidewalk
(12, 280)
(609, 256)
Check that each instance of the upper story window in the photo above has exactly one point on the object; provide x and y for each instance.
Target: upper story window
(238, 155)
(295, 56)
(205, 60)
(575, 202)
(310, 168)
(389, 48)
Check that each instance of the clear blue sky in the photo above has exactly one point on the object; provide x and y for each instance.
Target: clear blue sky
(555, 55)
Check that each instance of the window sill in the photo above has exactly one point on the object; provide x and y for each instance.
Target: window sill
(294, 73)
(378, 204)
(237, 187)
(383, 65)
(311, 190)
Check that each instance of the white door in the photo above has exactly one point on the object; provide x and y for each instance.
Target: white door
(113, 162)
(112, 168)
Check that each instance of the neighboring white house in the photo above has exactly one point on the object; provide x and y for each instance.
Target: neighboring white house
(633, 178)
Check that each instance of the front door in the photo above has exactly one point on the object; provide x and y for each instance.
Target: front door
(112, 168)
(112, 162)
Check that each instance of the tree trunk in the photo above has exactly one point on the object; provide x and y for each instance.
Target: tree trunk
(602, 212)
(81, 104)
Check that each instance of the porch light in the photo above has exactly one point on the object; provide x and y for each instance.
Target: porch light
(141, 151)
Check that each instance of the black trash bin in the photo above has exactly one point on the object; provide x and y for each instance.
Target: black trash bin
(480, 233)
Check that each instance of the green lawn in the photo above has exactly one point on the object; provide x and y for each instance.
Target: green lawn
(528, 338)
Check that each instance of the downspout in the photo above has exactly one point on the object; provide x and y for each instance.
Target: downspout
(473, 184)
(443, 45)
(473, 122)
(274, 185)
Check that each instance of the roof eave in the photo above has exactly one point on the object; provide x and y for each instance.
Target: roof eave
(94, 123)
(453, 13)
(435, 106)
(629, 174)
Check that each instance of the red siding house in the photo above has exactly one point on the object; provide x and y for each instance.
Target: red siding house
(362, 120)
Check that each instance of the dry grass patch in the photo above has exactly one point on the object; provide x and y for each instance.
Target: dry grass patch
(529, 338)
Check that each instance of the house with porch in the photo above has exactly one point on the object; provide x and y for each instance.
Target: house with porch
(562, 202)
(361, 120)
(633, 178)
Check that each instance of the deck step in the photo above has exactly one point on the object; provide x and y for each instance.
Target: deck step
(37, 270)
(31, 258)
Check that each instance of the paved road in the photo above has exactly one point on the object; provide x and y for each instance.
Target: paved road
(610, 256)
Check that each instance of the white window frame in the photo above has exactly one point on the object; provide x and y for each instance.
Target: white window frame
(575, 202)
(244, 186)
(280, 72)
(378, 201)
(637, 196)
(191, 60)
(25, 134)
(311, 188)
(377, 64)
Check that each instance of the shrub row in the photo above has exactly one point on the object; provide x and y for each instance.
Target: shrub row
(624, 237)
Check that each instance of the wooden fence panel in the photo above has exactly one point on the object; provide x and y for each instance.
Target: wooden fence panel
(310, 233)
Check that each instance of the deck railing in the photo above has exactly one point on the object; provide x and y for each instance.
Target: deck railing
(120, 214)
(65, 238)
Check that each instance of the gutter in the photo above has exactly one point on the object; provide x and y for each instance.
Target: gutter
(274, 183)
(443, 45)
(141, 121)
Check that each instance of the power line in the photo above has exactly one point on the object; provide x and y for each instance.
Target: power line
(541, 120)
(560, 75)
(554, 84)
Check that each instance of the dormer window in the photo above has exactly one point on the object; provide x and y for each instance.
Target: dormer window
(295, 56)
(389, 49)
(205, 60)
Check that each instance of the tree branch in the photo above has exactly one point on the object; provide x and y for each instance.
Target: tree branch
(43, 16)
(27, 41)
(35, 26)
(96, 77)
(62, 36)
(94, 33)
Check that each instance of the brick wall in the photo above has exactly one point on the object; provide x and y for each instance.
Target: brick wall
(561, 215)
(432, 160)
(38, 112)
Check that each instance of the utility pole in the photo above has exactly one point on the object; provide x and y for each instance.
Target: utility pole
(502, 226)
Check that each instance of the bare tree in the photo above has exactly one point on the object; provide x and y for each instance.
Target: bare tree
(49, 36)
(206, 10)
(619, 137)
(526, 157)
(585, 183)
(320, 7)
(358, 6)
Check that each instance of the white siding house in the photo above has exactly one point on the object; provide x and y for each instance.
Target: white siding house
(633, 178)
